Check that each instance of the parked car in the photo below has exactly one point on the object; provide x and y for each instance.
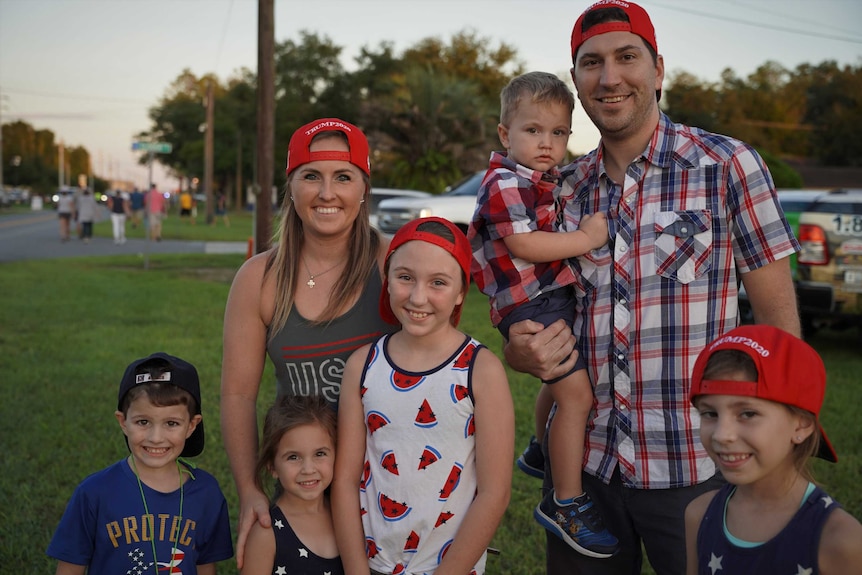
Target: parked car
(457, 205)
(793, 203)
(380, 194)
(829, 269)
(18, 196)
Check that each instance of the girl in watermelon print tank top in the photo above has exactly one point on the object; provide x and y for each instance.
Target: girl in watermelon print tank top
(425, 423)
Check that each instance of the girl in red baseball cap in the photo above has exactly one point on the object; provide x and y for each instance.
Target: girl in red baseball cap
(425, 423)
(759, 390)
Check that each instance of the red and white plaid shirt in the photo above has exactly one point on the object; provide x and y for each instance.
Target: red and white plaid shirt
(513, 199)
(694, 211)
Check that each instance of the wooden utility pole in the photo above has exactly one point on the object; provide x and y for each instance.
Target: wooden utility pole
(61, 163)
(238, 194)
(1, 140)
(208, 152)
(265, 122)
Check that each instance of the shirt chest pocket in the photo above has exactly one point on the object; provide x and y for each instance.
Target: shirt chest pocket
(683, 244)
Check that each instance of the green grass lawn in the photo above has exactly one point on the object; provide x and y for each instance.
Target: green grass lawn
(176, 228)
(68, 328)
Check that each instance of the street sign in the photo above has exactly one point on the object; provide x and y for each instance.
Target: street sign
(156, 147)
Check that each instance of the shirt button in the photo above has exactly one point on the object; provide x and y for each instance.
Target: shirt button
(684, 230)
(623, 249)
(622, 302)
(620, 356)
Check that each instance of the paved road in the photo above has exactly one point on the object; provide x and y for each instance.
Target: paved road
(36, 235)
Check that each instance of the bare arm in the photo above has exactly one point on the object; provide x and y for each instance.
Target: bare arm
(541, 246)
(772, 296)
(840, 545)
(495, 439)
(260, 551)
(538, 350)
(693, 515)
(349, 460)
(64, 568)
(206, 569)
(242, 365)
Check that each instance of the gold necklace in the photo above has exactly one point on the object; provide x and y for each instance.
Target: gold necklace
(311, 283)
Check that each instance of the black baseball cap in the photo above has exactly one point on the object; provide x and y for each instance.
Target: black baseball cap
(163, 368)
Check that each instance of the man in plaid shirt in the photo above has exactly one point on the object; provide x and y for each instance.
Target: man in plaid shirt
(690, 215)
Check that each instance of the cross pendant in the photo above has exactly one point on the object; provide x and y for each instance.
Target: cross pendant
(310, 283)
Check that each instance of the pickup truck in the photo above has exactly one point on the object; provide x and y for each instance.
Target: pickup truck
(456, 204)
(829, 266)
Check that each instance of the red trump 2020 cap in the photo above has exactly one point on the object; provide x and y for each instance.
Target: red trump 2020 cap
(299, 153)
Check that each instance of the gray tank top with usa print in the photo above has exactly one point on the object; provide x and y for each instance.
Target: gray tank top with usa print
(309, 359)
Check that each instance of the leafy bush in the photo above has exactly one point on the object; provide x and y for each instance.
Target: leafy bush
(785, 177)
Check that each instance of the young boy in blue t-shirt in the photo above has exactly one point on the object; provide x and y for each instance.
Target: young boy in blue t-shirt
(152, 512)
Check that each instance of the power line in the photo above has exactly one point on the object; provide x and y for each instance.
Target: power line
(678, 8)
(759, 8)
(223, 35)
(76, 96)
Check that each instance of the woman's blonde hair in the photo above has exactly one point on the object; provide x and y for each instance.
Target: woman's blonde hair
(283, 261)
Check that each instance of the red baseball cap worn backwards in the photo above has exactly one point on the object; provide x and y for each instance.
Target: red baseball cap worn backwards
(639, 23)
(789, 371)
(460, 250)
(298, 152)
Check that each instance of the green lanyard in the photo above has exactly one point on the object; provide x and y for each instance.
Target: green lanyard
(147, 514)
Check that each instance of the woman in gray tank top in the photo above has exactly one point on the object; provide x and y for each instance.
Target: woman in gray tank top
(308, 301)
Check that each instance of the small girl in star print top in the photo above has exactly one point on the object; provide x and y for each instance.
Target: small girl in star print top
(298, 450)
(759, 391)
(425, 423)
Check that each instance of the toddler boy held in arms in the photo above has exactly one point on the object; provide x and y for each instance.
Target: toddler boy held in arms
(519, 263)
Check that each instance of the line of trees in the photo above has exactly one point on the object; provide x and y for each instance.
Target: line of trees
(431, 112)
(810, 112)
(31, 158)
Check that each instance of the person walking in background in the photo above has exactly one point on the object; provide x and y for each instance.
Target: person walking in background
(187, 206)
(87, 210)
(297, 448)
(425, 422)
(155, 205)
(136, 199)
(759, 391)
(308, 302)
(119, 207)
(518, 262)
(159, 411)
(221, 210)
(65, 212)
(690, 214)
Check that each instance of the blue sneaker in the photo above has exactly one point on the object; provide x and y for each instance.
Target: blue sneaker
(532, 461)
(579, 525)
